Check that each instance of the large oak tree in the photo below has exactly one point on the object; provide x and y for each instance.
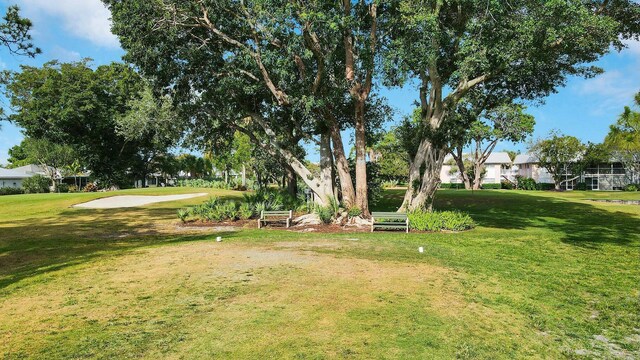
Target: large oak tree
(514, 49)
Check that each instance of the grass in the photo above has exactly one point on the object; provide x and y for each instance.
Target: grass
(545, 275)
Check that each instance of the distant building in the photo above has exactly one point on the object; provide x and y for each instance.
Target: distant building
(12, 178)
(610, 175)
(604, 176)
(497, 166)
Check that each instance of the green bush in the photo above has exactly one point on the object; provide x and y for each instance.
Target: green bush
(452, 186)
(36, 184)
(11, 191)
(354, 211)
(183, 214)
(325, 213)
(202, 183)
(245, 211)
(273, 200)
(631, 187)
(491, 186)
(581, 186)
(506, 185)
(390, 183)
(438, 221)
(62, 188)
(525, 183)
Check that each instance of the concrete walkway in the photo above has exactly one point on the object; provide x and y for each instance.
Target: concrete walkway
(125, 201)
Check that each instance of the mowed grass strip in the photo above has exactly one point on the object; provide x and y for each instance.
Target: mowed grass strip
(545, 275)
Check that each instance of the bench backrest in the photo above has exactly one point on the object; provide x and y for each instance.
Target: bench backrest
(275, 213)
(389, 215)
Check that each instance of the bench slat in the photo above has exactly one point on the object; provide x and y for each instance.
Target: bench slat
(390, 220)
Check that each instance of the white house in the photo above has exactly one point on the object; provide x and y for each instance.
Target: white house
(526, 165)
(498, 166)
(12, 178)
(604, 176)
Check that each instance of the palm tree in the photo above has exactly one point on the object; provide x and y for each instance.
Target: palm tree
(74, 169)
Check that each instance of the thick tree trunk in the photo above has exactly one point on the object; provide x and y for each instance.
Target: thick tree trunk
(458, 157)
(292, 182)
(423, 185)
(325, 185)
(477, 170)
(244, 175)
(54, 186)
(342, 167)
(320, 186)
(362, 199)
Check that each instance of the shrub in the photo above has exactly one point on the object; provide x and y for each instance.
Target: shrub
(525, 183)
(62, 188)
(507, 185)
(491, 186)
(90, 187)
(581, 186)
(228, 210)
(11, 191)
(438, 221)
(354, 211)
(183, 214)
(73, 188)
(260, 207)
(325, 213)
(452, 186)
(389, 184)
(272, 200)
(36, 184)
(245, 211)
(631, 187)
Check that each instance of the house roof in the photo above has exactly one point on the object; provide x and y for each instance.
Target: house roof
(30, 169)
(498, 157)
(525, 159)
(13, 174)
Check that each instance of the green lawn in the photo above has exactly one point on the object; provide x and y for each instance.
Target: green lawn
(545, 275)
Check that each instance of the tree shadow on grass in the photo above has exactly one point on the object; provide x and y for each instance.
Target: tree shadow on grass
(32, 247)
(578, 223)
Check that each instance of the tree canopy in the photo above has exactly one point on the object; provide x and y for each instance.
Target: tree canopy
(623, 139)
(561, 155)
(76, 105)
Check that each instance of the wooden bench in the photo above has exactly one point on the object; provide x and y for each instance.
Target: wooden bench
(389, 220)
(275, 216)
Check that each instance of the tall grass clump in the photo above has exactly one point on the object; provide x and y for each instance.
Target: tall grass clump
(440, 220)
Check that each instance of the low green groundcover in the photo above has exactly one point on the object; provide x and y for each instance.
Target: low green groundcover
(440, 220)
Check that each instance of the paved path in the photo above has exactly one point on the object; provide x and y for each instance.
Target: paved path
(132, 201)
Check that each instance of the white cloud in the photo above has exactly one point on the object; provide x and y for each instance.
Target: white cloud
(64, 55)
(633, 47)
(611, 91)
(87, 19)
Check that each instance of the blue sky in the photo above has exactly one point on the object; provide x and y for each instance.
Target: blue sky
(69, 30)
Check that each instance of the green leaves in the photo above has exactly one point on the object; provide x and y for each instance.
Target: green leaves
(15, 33)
